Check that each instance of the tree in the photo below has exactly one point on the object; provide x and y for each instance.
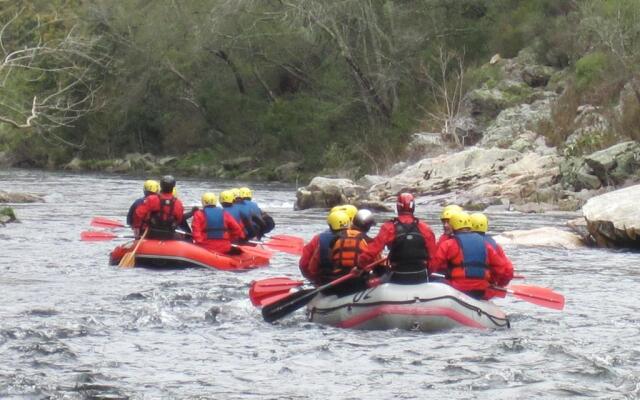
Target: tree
(48, 76)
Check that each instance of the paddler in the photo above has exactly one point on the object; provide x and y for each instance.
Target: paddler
(213, 228)
(241, 215)
(334, 253)
(469, 263)
(149, 187)
(411, 244)
(363, 221)
(160, 213)
(480, 225)
(446, 213)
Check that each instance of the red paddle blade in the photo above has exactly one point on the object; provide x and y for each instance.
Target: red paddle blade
(102, 222)
(256, 252)
(541, 296)
(289, 238)
(285, 247)
(266, 290)
(96, 236)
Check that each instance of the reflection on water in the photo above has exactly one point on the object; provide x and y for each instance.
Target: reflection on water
(73, 327)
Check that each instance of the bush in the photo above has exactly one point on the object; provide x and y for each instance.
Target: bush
(590, 69)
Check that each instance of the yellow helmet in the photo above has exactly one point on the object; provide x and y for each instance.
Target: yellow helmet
(460, 220)
(338, 220)
(235, 192)
(479, 222)
(209, 199)
(227, 196)
(245, 193)
(151, 186)
(449, 210)
(350, 210)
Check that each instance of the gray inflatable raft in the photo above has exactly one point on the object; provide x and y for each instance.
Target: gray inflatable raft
(426, 307)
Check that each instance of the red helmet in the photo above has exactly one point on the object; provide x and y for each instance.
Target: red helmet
(405, 203)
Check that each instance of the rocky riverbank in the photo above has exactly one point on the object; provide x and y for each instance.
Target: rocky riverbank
(506, 161)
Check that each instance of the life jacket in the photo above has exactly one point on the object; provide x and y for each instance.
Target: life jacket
(325, 245)
(408, 253)
(162, 223)
(242, 217)
(489, 239)
(346, 249)
(132, 210)
(215, 223)
(474, 255)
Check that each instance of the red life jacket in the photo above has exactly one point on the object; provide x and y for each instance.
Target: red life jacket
(162, 223)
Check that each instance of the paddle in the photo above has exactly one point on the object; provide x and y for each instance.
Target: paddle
(538, 295)
(283, 246)
(102, 222)
(289, 304)
(263, 291)
(129, 259)
(289, 238)
(95, 236)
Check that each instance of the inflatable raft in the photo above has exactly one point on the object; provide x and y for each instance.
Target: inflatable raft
(180, 254)
(426, 307)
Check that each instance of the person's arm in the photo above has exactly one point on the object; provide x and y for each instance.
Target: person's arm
(308, 252)
(233, 227)
(501, 269)
(150, 204)
(199, 227)
(440, 261)
(429, 240)
(178, 212)
(386, 235)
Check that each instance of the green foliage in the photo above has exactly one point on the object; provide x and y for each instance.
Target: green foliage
(589, 143)
(590, 69)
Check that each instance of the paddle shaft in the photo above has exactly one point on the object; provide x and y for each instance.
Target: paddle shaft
(129, 259)
(281, 308)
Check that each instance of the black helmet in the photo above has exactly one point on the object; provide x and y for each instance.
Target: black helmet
(364, 220)
(167, 183)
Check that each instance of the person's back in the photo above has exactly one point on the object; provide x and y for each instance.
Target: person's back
(228, 202)
(161, 213)
(213, 228)
(470, 263)
(149, 187)
(411, 244)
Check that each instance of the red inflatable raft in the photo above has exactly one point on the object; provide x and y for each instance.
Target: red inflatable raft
(179, 254)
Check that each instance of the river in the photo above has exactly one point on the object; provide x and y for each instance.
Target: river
(73, 327)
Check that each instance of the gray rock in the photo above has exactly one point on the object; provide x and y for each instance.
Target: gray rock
(536, 75)
(616, 163)
(244, 162)
(8, 197)
(424, 145)
(328, 192)
(613, 219)
(541, 237)
(288, 172)
(369, 180)
(74, 165)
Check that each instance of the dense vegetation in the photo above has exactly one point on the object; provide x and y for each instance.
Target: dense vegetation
(334, 84)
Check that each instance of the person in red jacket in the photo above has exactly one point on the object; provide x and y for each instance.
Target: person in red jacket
(213, 228)
(480, 225)
(411, 244)
(470, 264)
(446, 213)
(316, 262)
(161, 213)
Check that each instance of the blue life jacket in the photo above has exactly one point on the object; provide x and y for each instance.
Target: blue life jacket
(132, 210)
(474, 254)
(215, 222)
(253, 207)
(489, 239)
(326, 243)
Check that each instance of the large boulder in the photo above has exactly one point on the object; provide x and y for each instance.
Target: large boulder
(613, 219)
(425, 144)
(328, 192)
(541, 237)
